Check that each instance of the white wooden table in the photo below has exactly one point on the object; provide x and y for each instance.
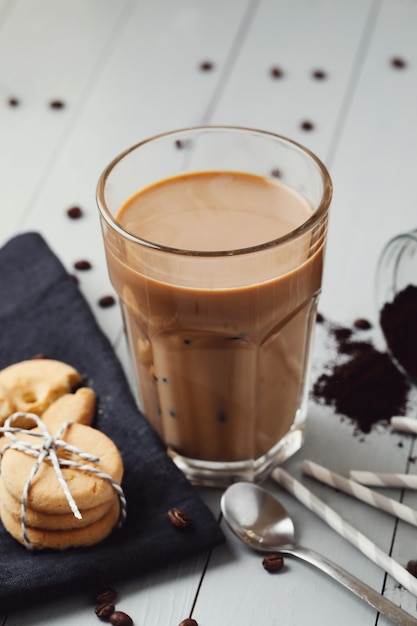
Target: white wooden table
(127, 69)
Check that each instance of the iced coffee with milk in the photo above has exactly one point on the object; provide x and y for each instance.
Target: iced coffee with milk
(218, 270)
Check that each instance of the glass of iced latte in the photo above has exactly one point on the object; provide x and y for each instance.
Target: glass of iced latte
(214, 238)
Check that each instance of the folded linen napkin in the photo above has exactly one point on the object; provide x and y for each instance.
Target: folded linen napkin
(43, 312)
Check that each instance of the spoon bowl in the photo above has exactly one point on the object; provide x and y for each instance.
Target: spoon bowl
(259, 520)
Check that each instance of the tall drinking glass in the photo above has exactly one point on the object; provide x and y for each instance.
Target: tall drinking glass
(214, 238)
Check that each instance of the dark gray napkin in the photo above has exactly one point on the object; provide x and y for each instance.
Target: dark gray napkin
(43, 312)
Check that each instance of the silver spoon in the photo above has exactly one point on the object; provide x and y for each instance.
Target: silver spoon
(260, 521)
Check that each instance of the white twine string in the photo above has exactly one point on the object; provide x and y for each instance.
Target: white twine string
(46, 450)
(346, 530)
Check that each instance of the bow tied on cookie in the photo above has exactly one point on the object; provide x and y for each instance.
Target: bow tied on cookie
(54, 493)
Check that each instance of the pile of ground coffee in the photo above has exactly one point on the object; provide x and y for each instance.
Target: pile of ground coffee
(398, 321)
(362, 383)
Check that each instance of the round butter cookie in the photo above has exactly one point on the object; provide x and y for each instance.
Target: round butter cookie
(76, 407)
(7, 406)
(47, 521)
(46, 494)
(63, 539)
(33, 385)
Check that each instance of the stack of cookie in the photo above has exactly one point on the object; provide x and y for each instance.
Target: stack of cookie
(48, 520)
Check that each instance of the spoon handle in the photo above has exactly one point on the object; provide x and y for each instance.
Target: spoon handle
(375, 599)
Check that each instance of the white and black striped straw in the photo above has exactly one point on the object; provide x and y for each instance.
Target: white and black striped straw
(384, 479)
(353, 488)
(346, 530)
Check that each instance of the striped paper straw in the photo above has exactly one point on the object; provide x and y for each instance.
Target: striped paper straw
(404, 424)
(383, 479)
(360, 492)
(346, 530)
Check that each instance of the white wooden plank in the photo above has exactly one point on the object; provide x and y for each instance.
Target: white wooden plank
(299, 38)
(5, 9)
(49, 50)
(374, 165)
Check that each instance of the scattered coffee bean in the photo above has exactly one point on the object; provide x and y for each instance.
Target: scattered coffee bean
(74, 278)
(319, 74)
(342, 333)
(412, 567)
(276, 173)
(13, 102)
(276, 72)
(273, 562)
(39, 356)
(106, 301)
(106, 595)
(398, 63)
(103, 611)
(319, 318)
(56, 104)
(82, 265)
(188, 622)
(307, 125)
(362, 324)
(178, 518)
(206, 66)
(75, 212)
(119, 618)
(179, 144)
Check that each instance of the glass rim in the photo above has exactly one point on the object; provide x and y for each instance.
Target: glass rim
(306, 226)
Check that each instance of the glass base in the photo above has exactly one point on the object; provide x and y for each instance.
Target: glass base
(216, 474)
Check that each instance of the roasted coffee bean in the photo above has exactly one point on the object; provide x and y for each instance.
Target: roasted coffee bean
(56, 104)
(13, 102)
(106, 595)
(103, 611)
(398, 63)
(412, 567)
(273, 562)
(319, 74)
(362, 324)
(307, 125)
(75, 212)
(106, 301)
(276, 72)
(178, 518)
(276, 173)
(118, 618)
(206, 66)
(188, 622)
(82, 265)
